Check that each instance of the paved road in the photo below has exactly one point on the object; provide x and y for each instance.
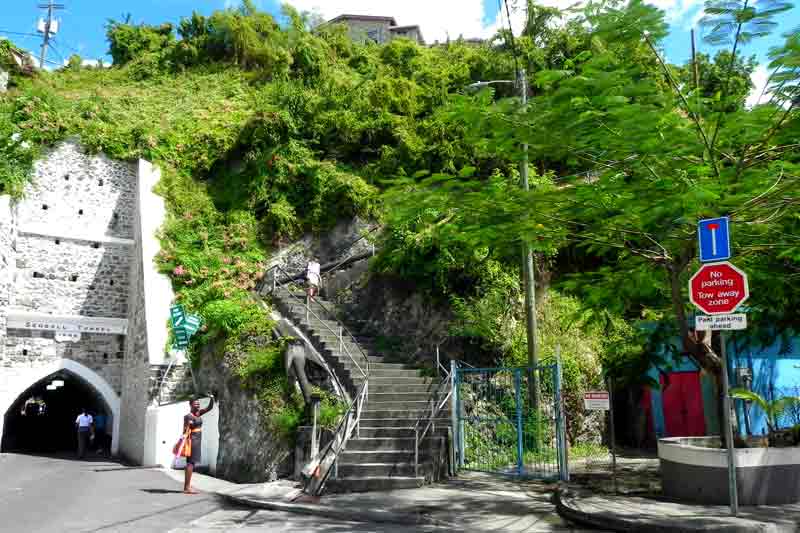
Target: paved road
(278, 522)
(46, 494)
(61, 495)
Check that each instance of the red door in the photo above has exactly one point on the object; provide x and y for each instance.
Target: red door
(683, 405)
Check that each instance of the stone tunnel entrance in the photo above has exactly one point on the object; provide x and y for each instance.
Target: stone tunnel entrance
(42, 418)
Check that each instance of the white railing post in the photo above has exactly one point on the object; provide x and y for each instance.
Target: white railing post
(341, 341)
(416, 451)
(438, 364)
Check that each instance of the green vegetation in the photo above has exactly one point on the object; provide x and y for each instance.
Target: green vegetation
(772, 409)
(265, 131)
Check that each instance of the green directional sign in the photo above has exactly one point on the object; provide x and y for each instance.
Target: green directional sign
(178, 316)
(183, 325)
(192, 324)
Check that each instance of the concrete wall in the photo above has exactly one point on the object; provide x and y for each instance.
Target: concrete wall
(362, 30)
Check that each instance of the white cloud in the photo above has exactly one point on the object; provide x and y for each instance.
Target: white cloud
(759, 94)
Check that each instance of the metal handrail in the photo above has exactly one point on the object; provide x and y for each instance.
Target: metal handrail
(342, 328)
(436, 408)
(344, 429)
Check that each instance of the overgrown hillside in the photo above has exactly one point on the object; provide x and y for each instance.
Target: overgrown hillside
(266, 131)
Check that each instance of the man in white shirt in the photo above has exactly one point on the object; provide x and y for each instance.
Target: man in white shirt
(84, 425)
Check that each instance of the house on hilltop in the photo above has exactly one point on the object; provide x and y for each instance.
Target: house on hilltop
(381, 30)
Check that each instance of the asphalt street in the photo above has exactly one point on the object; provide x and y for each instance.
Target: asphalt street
(61, 495)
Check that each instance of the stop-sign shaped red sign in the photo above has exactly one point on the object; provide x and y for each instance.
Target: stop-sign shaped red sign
(718, 288)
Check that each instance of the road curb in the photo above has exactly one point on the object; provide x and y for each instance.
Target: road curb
(381, 517)
(615, 522)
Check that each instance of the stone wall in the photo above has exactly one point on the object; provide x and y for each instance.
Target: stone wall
(77, 194)
(248, 451)
(72, 276)
(65, 256)
(100, 353)
(8, 238)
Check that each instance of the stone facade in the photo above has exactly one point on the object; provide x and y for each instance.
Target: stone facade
(65, 257)
(72, 276)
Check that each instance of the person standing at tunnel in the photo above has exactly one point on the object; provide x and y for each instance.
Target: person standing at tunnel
(193, 430)
(84, 426)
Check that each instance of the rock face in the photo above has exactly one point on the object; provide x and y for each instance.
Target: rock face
(342, 241)
(248, 451)
(3, 81)
(391, 308)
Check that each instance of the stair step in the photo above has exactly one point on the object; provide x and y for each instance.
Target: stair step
(399, 396)
(362, 457)
(390, 470)
(409, 405)
(368, 484)
(371, 418)
(402, 432)
(390, 387)
(404, 444)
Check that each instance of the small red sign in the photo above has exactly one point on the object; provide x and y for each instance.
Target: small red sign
(718, 288)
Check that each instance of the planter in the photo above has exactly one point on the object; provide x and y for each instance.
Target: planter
(695, 469)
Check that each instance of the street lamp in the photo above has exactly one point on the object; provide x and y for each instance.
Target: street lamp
(527, 254)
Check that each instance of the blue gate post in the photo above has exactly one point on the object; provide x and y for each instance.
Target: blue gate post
(517, 387)
(561, 430)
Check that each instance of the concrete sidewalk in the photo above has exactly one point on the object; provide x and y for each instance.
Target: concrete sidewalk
(629, 513)
(471, 502)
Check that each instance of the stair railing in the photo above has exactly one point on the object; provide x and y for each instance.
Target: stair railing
(431, 415)
(351, 421)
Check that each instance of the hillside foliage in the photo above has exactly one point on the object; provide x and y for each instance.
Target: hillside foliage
(266, 131)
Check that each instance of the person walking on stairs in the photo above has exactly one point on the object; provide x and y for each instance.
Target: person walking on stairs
(313, 277)
(193, 441)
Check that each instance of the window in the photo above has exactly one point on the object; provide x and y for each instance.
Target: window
(96, 245)
(100, 183)
(58, 241)
(80, 211)
(73, 277)
(372, 35)
(38, 275)
(66, 176)
(44, 207)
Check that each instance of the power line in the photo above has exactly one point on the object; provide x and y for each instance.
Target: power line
(9, 32)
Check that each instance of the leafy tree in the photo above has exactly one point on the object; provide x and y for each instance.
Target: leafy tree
(717, 75)
(637, 160)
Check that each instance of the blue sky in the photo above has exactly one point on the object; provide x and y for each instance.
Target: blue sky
(82, 21)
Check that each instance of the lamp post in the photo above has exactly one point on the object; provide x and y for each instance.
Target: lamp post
(527, 252)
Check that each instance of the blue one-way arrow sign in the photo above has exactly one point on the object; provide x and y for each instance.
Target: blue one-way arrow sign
(715, 239)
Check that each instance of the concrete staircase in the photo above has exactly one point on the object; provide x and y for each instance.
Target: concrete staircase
(380, 456)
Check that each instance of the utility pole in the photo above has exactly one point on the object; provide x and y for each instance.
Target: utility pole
(48, 26)
(528, 272)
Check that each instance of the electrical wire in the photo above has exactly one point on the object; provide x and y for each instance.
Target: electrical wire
(511, 34)
(25, 34)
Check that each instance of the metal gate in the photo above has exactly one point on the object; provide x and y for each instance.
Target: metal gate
(498, 430)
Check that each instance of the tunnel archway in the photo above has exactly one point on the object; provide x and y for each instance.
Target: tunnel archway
(38, 420)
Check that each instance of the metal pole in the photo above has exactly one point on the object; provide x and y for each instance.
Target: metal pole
(518, 400)
(561, 425)
(46, 40)
(726, 414)
(453, 414)
(528, 273)
(613, 435)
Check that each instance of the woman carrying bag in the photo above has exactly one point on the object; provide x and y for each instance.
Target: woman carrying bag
(190, 445)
